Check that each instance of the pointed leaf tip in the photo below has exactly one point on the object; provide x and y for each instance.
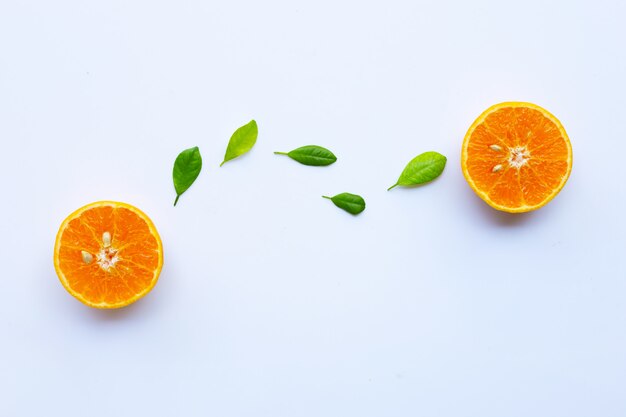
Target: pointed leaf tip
(241, 141)
(311, 155)
(352, 203)
(187, 167)
(423, 168)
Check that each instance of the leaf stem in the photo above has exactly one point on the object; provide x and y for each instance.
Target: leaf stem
(281, 153)
(393, 186)
(176, 201)
(223, 162)
(324, 196)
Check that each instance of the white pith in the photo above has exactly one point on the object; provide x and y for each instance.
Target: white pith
(107, 257)
(518, 156)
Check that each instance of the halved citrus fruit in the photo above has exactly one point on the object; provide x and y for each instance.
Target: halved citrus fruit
(108, 254)
(516, 156)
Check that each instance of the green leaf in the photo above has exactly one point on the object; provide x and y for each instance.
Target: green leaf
(352, 203)
(423, 168)
(186, 169)
(311, 155)
(241, 141)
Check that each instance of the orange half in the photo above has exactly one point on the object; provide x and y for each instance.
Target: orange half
(516, 156)
(108, 254)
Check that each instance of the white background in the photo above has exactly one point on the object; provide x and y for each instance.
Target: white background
(272, 302)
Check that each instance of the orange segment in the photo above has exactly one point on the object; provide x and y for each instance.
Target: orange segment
(108, 254)
(516, 156)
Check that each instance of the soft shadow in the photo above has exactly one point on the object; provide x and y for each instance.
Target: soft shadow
(137, 309)
(500, 218)
(412, 186)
